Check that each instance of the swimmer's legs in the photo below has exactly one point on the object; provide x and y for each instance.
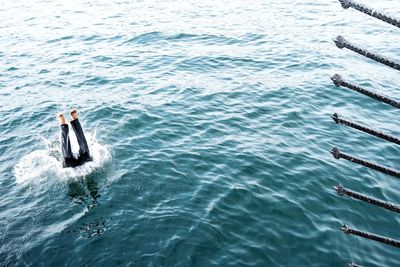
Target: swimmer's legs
(84, 154)
(66, 151)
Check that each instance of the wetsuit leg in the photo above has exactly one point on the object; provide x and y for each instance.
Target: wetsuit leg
(84, 154)
(66, 152)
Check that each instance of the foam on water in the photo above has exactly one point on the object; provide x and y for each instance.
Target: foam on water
(44, 165)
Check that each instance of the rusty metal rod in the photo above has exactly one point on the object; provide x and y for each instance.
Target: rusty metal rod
(369, 11)
(343, 43)
(347, 230)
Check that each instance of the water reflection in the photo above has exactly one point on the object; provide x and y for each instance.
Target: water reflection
(84, 190)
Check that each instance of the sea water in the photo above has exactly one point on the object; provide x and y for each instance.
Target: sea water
(209, 123)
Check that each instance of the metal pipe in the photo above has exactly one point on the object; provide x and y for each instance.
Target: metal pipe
(364, 129)
(339, 81)
(338, 155)
(342, 191)
(347, 230)
(369, 11)
(343, 43)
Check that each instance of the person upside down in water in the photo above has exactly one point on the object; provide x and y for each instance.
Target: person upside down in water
(68, 158)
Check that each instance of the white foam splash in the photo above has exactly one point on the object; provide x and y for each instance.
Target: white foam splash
(43, 165)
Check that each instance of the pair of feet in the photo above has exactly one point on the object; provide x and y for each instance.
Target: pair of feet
(61, 118)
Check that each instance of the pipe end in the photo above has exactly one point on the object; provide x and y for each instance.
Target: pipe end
(335, 117)
(335, 152)
(352, 264)
(340, 41)
(345, 3)
(345, 228)
(339, 189)
(337, 80)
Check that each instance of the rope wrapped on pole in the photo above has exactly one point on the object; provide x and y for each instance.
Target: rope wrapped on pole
(369, 11)
(364, 129)
(347, 230)
(343, 43)
(342, 191)
(339, 81)
(338, 155)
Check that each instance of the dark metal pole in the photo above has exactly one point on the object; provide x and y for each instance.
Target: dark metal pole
(364, 129)
(342, 191)
(339, 81)
(369, 11)
(338, 155)
(343, 43)
(347, 230)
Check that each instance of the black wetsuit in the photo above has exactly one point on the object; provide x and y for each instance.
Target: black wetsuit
(68, 158)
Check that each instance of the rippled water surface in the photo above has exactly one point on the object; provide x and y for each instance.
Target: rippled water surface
(209, 122)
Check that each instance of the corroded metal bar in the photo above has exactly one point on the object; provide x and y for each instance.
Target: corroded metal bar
(342, 191)
(339, 81)
(369, 11)
(347, 230)
(364, 129)
(343, 43)
(338, 155)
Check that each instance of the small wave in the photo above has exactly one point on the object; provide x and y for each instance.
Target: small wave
(63, 38)
(94, 81)
(147, 37)
(152, 37)
(45, 165)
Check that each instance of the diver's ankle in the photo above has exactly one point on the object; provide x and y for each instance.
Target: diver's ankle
(74, 114)
(61, 119)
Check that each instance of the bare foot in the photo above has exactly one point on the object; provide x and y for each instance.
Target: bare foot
(74, 114)
(61, 119)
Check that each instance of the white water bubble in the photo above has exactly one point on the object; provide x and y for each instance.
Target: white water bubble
(45, 165)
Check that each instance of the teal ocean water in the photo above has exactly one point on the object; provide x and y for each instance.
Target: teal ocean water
(209, 124)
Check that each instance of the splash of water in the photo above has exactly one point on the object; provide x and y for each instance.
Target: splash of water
(45, 165)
